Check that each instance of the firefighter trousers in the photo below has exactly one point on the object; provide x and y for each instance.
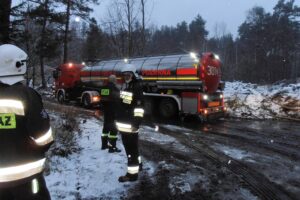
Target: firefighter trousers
(109, 135)
(34, 189)
(130, 142)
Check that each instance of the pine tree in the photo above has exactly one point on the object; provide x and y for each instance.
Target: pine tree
(79, 8)
(94, 43)
(49, 21)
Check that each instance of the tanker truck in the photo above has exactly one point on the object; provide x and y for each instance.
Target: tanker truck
(185, 84)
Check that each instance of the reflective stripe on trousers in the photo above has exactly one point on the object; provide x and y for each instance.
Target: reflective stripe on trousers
(133, 169)
(18, 172)
(112, 136)
(104, 134)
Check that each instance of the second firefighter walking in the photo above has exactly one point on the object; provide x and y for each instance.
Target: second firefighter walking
(110, 94)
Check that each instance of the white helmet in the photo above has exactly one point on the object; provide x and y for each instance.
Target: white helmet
(112, 79)
(12, 64)
(130, 68)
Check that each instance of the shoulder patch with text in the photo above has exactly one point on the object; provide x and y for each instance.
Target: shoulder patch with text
(8, 121)
(104, 92)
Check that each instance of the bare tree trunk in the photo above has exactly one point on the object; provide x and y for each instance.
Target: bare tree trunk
(143, 27)
(33, 76)
(5, 9)
(67, 32)
(27, 43)
(42, 72)
(129, 27)
(43, 33)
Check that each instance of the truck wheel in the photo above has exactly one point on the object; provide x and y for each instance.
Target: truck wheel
(86, 101)
(168, 108)
(148, 107)
(61, 97)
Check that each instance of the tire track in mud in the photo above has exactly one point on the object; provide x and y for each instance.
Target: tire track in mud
(273, 143)
(256, 181)
(267, 132)
(68, 109)
(275, 147)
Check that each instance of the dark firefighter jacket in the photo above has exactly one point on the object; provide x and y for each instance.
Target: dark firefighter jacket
(25, 134)
(109, 97)
(130, 110)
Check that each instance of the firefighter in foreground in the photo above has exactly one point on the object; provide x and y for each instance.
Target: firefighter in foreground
(25, 133)
(109, 94)
(129, 116)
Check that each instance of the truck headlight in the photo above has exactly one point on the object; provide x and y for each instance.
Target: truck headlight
(96, 98)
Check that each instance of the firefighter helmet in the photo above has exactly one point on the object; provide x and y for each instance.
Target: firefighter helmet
(112, 79)
(12, 64)
(130, 68)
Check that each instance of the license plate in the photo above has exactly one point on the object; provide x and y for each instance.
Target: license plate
(213, 104)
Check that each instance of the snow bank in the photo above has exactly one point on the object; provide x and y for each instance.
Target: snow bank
(262, 102)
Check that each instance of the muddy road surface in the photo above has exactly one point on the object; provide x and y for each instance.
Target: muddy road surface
(228, 159)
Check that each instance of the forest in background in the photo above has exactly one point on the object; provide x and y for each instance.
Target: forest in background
(266, 49)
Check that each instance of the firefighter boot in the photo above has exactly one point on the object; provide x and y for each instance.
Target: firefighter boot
(128, 178)
(104, 140)
(113, 146)
(114, 150)
(140, 164)
(140, 167)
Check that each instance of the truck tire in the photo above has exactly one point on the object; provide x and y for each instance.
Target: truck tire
(61, 97)
(168, 108)
(148, 107)
(86, 101)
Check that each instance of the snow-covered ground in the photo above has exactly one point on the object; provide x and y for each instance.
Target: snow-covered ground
(248, 100)
(90, 172)
(79, 169)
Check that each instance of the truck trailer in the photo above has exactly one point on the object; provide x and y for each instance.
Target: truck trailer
(185, 84)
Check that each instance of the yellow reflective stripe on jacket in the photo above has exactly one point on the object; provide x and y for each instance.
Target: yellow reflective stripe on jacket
(12, 106)
(138, 112)
(44, 139)
(18, 172)
(133, 170)
(126, 96)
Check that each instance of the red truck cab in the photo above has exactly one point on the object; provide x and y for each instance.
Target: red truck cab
(67, 85)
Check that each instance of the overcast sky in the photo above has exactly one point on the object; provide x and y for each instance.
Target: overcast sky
(170, 12)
